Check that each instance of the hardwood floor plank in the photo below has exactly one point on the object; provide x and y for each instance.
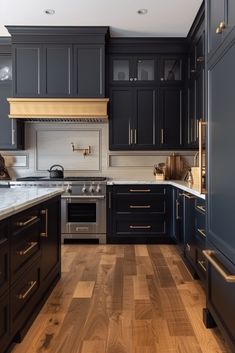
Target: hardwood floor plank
(84, 289)
(118, 299)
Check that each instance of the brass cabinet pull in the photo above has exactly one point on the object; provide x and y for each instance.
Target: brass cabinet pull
(45, 234)
(140, 206)
(218, 30)
(222, 25)
(110, 199)
(202, 124)
(140, 190)
(202, 264)
(140, 227)
(131, 136)
(177, 209)
(162, 136)
(135, 137)
(24, 295)
(188, 247)
(189, 196)
(202, 232)
(31, 220)
(201, 208)
(227, 277)
(30, 247)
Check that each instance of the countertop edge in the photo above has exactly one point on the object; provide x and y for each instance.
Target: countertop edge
(10, 211)
(176, 183)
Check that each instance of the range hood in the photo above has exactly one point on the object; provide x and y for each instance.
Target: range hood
(59, 109)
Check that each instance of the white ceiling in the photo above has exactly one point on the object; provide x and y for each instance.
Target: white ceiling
(164, 17)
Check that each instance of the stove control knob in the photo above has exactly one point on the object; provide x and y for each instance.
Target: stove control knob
(98, 188)
(68, 189)
(92, 188)
(84, 189)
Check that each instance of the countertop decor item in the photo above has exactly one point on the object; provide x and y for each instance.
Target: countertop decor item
(159, 171)
(4, 175)
(56, 173)
(176, 167)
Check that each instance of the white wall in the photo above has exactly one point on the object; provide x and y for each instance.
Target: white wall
(50, 143)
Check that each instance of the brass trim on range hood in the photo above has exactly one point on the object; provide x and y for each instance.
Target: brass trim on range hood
(58, 108)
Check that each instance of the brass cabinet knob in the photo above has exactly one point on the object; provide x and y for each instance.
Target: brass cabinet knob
(222, 25)
(218, 30)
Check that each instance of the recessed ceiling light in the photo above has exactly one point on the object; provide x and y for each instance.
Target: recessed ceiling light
(49, 12)
(142, 11)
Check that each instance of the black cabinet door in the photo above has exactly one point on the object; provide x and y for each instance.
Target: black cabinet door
(89, 71)
(171, 70)
(216, 13)
(50, 237)
(171, 110)
(221, 146)
(121, 70)
(4, 322)
(145, 122)
(4, 256)
(57, 75)
(120, 124)
(27, 70)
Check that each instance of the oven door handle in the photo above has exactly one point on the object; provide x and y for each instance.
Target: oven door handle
(82, 197)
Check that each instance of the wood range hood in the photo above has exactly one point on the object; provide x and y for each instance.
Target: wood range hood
(57, 109)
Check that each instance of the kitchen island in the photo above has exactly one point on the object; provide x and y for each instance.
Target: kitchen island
(30, 260)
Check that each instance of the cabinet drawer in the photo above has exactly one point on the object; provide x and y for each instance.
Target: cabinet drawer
(140, 189)
(25, 247)
(140, 203)
(200, 226)
(221, 291)
(25, 220)
(4, 322)
(24, 296)
(139, 226)
(200, 206)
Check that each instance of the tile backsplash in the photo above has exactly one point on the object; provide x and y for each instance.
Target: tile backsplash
(50, 143)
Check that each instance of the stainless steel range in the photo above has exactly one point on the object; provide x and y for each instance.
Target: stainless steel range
(83, 205)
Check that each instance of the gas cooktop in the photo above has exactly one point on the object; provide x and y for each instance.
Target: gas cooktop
(42, 178)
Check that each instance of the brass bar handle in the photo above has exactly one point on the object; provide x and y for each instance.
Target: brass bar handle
(31, 220)
(218, 30)
(201, 125)
(135, 137)
(45, 234)
(202, 264)
(140, 227)
(188, 247)
(201, 208)
(140, 206)
(140, 190)
(110, 200)
(177, 209)
(202, 232)
(209, 255)
(30, 247)
(162, 136)
(188, 196)
(24, 295)
(131, 136)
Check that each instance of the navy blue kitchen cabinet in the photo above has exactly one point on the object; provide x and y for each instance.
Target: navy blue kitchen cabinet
(62, 61)
(221, 23)
(133, 121)
(171, 117)
(196, 79)
(220, 245)
(11, 131)
(139, 214)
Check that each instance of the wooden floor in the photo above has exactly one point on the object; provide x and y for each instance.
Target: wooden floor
(123, 299)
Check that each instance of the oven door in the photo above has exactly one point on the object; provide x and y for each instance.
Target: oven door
(83, 214)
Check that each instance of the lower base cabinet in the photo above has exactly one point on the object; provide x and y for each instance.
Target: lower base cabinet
(139, 214)
(30, 243)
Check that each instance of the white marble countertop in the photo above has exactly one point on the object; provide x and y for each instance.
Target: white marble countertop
(14, 200)
(183, 185)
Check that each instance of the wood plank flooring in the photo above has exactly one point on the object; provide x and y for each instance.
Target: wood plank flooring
(123, 299)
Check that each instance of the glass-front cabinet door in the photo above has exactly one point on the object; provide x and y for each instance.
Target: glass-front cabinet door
(145, 70)
(171, 70)
(120, 70)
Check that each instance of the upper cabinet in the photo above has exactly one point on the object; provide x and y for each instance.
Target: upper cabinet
(62, 62)
(133, 70)
(171, 70)
(11, 131)
(221, 21)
